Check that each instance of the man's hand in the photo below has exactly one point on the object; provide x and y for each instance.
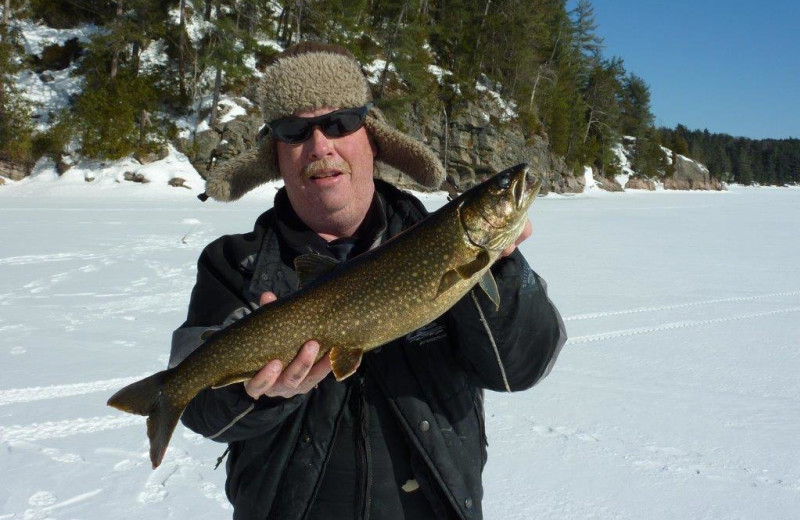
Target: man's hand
(299, 376)
(526, 232)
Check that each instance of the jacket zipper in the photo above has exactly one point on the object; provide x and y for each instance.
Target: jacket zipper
(366, 462)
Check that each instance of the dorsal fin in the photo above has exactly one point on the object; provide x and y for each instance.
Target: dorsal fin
(311, 266)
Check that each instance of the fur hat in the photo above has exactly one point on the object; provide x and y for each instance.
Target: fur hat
(310, 76)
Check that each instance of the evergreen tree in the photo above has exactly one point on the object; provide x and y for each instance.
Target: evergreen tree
(224, 48)
(743, 168)
(16, 131)
(111, 116)
(536, 53)
(602, 119)
(768, 161)
(584, 35)
(635, 115)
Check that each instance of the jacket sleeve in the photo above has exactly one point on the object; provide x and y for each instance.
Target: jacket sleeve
(225, 414)
(512, 347)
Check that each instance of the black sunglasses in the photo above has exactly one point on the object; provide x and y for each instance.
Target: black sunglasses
(338, 123)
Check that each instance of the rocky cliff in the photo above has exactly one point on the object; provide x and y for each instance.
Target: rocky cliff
(680, 172)
(691, 175)
(472, 142)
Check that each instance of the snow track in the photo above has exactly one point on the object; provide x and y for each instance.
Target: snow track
(705, 303)
(60, 429)
(41, 393)
(673, 326)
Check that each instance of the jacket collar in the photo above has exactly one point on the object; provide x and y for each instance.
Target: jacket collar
(302, 239)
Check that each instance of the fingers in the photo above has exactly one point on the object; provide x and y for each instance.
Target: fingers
(295, 373)
(299, 376)
(267, 297)
(527, 231)
(319, 371)
(264, 379)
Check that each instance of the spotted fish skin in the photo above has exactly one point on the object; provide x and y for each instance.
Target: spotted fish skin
(352, 308)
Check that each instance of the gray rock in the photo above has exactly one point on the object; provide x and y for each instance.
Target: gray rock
(478, 145)
(14, 170)
(135, 177)
(205, 143)
(691, 175)
(640, 183)
(147, 158)
(221, 142)
(63, 164)
(58, 57)
(604, 183)
(178, 182)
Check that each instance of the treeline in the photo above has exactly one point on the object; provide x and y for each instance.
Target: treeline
(544, 58)
(738, 159)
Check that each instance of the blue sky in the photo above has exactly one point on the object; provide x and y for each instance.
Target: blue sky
(729, 66)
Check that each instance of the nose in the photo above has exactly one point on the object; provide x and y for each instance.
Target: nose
(319, 145)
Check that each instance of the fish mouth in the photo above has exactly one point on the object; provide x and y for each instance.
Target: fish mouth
(529, 187)
(525, 185)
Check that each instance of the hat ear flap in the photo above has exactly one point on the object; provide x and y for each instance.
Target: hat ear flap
(402, 152)
(248, 170)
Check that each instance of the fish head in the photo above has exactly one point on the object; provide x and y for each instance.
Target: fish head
(493, 213)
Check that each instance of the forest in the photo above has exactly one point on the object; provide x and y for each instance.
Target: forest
(540, 55)
(738, 159)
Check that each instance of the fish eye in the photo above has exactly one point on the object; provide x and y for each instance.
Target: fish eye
(504, 181)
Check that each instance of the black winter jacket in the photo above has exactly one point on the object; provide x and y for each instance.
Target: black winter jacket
(432, 378)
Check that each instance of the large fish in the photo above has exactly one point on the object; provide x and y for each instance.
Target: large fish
(350, 308)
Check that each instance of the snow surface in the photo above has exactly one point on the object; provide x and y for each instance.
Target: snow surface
(675, 397)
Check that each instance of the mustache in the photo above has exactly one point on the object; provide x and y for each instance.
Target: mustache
(324, 165)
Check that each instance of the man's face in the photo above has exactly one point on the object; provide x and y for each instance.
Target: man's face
(329, 180)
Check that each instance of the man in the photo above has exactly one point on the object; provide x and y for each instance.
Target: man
(404, 437)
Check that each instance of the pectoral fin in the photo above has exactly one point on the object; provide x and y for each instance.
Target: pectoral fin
(489, 286)
(464, 272)
(449, 279)
(345, 362)
(469, 270)
(311, 266)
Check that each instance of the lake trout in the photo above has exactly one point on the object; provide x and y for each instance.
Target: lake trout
(353, 307)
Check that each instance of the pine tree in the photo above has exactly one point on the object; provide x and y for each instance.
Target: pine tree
(602, 118)
(16, 131)
(743, 167)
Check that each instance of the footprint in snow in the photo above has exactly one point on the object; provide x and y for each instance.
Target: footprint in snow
(42, 499)
(58, 456)
(126, 465)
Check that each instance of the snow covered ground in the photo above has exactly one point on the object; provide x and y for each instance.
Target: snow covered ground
(676, 396)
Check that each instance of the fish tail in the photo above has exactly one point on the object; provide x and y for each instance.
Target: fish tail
(146, 397)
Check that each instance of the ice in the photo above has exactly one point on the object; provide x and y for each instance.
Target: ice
(676, 396)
